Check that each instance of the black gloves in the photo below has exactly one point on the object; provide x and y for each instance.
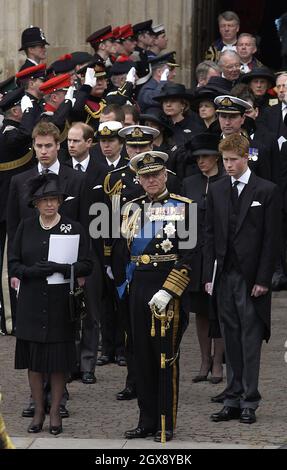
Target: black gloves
(42, 269)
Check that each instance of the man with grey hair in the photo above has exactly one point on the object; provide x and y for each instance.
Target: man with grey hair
(205, 70)
(228, 24)
(246, 48)
(229, 62)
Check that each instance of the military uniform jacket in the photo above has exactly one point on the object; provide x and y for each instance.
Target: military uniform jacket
(16, 154)
(256, 236)
(151, 234)
(42, 309)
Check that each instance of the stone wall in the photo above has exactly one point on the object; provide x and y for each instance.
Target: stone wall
(67, 23)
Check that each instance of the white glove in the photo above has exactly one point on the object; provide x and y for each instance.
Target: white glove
(164, 75)
(70, 95)
(26, 103)
(160, 300)
(90, 78)
(131, 75)
(109, 272)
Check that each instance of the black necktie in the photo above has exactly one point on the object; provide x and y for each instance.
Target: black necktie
(79, 167)
(235, 195)
(45, 171)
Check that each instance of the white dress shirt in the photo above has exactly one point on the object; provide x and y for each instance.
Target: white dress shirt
(115, 163)
(54, 168)
(84, 163)
(243, 180)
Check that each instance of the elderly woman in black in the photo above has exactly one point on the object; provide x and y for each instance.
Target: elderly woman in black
(204, 149)
(44, 331)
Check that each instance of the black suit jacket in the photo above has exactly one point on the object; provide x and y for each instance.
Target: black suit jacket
(271, 118)
(73, 183)
(256, 235)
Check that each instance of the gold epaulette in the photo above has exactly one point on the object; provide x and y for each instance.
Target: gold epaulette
(212, 54)
(177, 281)
(180, 198)
(115, 189)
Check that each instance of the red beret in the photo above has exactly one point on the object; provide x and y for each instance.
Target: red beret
(126, 32)
(36, 71)
(60, 82)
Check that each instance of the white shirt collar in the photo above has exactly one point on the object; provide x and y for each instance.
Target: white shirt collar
(115, 163)
(243, 178)
(55, 168)
(84, 163)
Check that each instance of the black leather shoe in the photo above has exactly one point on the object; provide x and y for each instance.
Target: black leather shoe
(88, 378)
(138, 433)
(218, 398)
(168, 436)
(127, 394)
(35, 428)
(121, 360)
(29, 411)
(248, 416)
(104, 360)
(227, 413)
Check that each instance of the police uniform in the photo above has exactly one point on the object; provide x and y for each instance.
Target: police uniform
(151, 231)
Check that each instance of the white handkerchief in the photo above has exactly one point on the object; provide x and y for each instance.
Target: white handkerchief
(99, 186)
(69, 198)
(281, 141)
(255, 204)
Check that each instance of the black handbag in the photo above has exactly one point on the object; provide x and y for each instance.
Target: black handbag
(77, 301)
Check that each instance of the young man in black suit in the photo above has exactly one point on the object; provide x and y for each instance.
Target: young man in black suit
(243, 222)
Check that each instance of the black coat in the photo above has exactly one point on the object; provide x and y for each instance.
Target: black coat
(195, 187)
(271, 118)
(73, 183)
(15, 144)
(256, 236)
(42, 309)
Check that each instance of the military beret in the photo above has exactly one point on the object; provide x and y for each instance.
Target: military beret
(11, 99)
(168, 59)
(101, 35)
(7, 85)
(36, 71)
(143, 27)
(148, 162)
(60, 82)
(139, 135)
(231, 104)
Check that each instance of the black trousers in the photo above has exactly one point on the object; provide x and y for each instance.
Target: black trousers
(242, 331)
(112, 324)
(124, 309)
(157, 389)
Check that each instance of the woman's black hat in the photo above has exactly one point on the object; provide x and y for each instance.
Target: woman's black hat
(173, 90)
(259, 72)
(44, 185)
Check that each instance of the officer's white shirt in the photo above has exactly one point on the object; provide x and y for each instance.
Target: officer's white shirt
(84, 163)
(54, 168)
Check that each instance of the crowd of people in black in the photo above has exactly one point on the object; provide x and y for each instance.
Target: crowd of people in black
(115, 129)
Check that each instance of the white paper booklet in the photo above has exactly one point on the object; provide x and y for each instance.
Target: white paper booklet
(62, 249)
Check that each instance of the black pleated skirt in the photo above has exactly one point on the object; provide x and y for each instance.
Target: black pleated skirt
(45, 357)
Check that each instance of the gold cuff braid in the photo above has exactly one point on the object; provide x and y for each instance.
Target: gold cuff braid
(177, 281)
